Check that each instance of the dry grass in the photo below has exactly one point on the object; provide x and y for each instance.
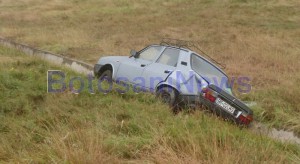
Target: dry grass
(258, 39)
(36, 127)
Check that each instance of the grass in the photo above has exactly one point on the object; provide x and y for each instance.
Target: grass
(257, 39)
(40, 127)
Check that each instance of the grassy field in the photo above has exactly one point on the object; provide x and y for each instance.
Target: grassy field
(37, 127)
(258, 39)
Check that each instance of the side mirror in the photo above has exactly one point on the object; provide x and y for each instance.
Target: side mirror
(133, 53)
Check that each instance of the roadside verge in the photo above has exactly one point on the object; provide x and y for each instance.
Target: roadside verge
(73, 64)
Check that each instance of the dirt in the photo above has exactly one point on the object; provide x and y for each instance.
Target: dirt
(282, 135)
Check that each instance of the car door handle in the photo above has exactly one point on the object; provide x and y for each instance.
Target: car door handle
(167, 71)
(143, 65)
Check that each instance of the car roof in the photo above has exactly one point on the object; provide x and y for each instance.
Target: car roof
(170, 46)
(192, 52)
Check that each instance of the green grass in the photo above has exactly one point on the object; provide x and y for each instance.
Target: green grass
(257, 39)
(278, 107)
(36, 126)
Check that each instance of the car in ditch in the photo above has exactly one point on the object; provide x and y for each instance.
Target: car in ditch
(179, 76)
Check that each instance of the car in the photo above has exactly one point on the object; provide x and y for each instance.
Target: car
(178, 76)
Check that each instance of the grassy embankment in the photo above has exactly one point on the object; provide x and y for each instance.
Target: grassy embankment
(36, 126)
(258, 39)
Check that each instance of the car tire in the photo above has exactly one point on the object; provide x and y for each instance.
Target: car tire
(106, 75)
(169, 96)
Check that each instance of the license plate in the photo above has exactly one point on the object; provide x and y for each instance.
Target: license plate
(225, 106)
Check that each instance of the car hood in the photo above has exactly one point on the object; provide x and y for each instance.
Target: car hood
(113, 58)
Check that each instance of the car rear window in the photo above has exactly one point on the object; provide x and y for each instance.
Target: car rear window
(207, 70)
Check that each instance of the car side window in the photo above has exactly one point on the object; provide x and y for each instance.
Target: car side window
(169, 57)
(150, 53)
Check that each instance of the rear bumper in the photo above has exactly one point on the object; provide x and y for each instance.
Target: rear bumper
(216, 109)
(193, 100)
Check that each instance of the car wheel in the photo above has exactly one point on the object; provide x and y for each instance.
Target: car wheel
(106, 75)
(169, 96)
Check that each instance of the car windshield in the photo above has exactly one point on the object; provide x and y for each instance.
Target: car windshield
(210, 73)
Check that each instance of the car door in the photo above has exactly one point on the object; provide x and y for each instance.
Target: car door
(158, 71)
(131, 70)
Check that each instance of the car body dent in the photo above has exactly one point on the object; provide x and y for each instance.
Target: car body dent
(185, 83)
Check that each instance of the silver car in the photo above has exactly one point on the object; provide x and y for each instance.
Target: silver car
(178, 76)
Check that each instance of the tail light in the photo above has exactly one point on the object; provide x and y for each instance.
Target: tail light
(209, 94)
(245, 119)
